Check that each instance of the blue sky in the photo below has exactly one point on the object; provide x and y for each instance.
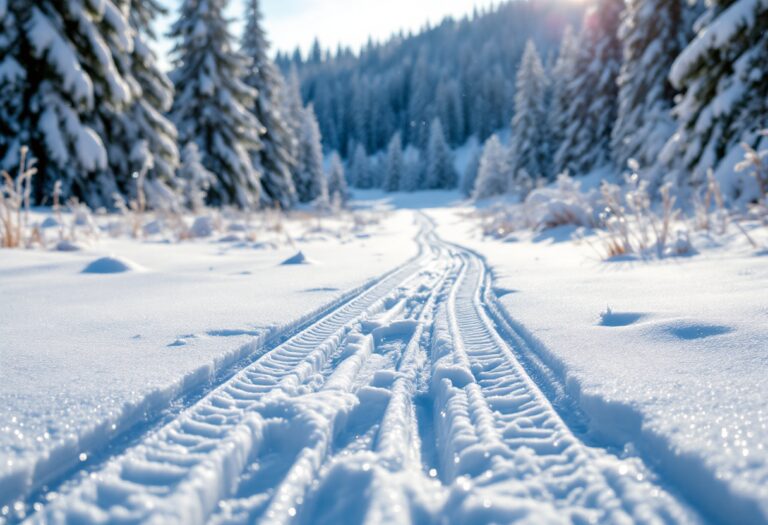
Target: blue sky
(292, 23)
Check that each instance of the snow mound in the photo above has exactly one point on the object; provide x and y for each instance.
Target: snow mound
(106, 265)
(299, 258)
(617, 319)
(231, 238)
(202, 227)
(49, 222)
(153, 228)
(67, 246)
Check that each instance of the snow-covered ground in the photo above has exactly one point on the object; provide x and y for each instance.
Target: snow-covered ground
(667, 357)
(85, 357)
(409, 372)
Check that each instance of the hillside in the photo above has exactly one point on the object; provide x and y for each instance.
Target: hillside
(462, 72)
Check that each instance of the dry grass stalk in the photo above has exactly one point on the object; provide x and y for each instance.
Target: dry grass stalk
(15, 197)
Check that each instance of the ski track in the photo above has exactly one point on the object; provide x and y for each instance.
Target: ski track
(404, 405)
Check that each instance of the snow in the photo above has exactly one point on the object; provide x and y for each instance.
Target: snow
(298, 258)
(105, 265)
(664, 357)
(421, 373)
(735, 18)
(86, 357)
(46, 40)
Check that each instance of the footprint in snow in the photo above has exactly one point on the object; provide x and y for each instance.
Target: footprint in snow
(692, 331)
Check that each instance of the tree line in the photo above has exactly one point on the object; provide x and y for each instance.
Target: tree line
(676, 87)
(673, 86)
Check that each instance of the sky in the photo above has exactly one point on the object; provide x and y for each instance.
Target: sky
(292, 23)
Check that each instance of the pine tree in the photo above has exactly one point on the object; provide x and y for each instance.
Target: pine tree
(722, 75)
(360, 176)
(562, 73)
(493, 173)
(377, 165)
(441, 173)
(337, 181)
(394, 165)
(450, 111)
(293, 106)
(275, 158)
(193, 178)
(142, 138)
(420, 106)
(530, 152)
(413, 170)
(12, 80)
(470, 174)
(211, 107)
(69, 72)
(310, 179)
(653, 32)
(592, 92)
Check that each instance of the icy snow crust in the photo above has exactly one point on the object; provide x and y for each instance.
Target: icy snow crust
(405, 402)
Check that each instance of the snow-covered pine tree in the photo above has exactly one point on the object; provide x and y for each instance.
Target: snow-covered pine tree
(212, 101)
(592, 92)
(377, 164)
(12, 81)
(653, 32)
(66, 52)
(360, 169)
(276, 155)
(394, 164)
(413, 170)
(470, 174)
(337, 181)
(562, 74)
(420, 104)
(493, 173)
(360, 110)
(309, 180)
(441, 173)
(293, 107)
(450, 111)
(531, 149)
(722, 74)
(142, 138)
(194, 180)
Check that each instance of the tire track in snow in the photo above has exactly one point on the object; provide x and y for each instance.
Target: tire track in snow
(181, 472)
(505, 450)
(325, 328)
(110, 438)
(363, 414)
(404, 406)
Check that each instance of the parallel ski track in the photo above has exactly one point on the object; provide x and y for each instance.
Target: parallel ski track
(326, 428)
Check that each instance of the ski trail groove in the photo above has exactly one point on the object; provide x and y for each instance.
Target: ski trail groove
(403, 405)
